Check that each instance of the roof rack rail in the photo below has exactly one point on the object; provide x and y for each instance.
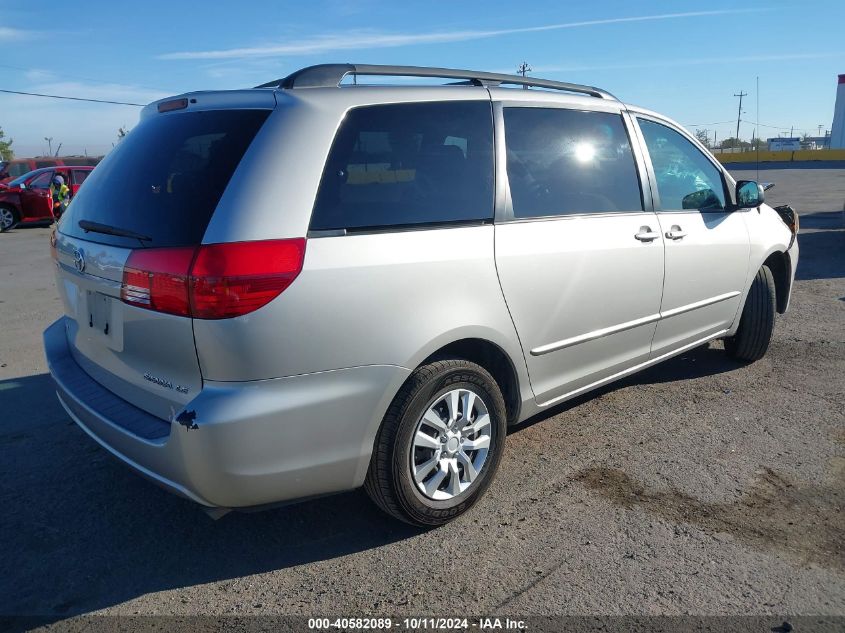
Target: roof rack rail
(330, 76)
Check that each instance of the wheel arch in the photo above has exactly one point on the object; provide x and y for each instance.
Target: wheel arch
(778, 262)
(495, 360)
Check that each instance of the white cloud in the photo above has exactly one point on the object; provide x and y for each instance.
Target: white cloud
(697, 61)
(369, 39)
(9, 34)
(39, 74)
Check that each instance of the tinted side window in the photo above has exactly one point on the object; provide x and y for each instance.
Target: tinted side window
(407, 164)
(569, 161)
(686, 179)
(42, 181)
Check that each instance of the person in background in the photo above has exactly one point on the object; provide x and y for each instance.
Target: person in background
(60, 195)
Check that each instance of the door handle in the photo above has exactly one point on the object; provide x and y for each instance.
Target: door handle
(675, 233)
(646, 234)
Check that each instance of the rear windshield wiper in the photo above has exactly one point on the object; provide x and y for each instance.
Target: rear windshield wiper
(96, 227)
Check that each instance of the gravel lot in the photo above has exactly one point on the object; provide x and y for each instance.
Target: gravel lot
(699, 486)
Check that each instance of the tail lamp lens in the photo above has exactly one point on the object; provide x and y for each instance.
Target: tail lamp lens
(213, 281)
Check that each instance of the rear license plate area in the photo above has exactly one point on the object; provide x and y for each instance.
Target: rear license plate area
(99, 311)
(101, 321)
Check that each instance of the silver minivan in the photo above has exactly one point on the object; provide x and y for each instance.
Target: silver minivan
(317, 284)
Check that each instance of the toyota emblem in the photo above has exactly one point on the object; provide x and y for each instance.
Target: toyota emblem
(79, 260)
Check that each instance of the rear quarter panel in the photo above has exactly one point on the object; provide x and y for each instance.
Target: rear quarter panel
(378, 299)
(388, 298)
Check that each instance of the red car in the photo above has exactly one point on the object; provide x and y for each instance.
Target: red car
(17, 167)
(26, 199)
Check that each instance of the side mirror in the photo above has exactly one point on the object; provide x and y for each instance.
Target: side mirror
(748, 194)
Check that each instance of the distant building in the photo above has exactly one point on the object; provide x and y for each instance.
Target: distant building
(784, 144)
(817, 142)
(837, 132)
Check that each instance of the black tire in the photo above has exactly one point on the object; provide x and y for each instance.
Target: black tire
(757, 322)
(4, 226)
(389, 480)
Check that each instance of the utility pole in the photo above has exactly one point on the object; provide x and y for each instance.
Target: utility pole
(522, 70)
(58, 149)
(714, 139)
(739, 112)
(49, 140)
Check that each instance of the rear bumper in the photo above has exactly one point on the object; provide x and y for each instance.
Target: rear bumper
(255, 443)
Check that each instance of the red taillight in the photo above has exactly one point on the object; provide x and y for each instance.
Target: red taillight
(214, 281)
(229, 280)
(157, 279)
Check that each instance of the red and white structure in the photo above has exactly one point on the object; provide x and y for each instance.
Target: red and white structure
(837, 131)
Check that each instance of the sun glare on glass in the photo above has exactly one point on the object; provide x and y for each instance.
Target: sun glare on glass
(584, 152)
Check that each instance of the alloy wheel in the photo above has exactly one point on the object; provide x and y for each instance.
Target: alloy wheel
(450, 444)
(6, 218)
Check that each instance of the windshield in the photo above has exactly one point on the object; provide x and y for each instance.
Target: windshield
(165, 178)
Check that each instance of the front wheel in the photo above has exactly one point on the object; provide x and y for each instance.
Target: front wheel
(439, 445)
(757, 322)
(8, 218)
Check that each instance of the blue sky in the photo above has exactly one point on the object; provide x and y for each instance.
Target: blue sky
(684, 59)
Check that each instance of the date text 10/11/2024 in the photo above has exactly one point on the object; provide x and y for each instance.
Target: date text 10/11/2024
(412, 624)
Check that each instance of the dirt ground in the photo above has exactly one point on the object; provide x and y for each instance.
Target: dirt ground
(700, 486)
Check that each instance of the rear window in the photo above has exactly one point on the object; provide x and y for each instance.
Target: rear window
(408, 164)
(165, 178)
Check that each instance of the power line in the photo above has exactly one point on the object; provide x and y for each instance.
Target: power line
(774, 127)
(705, 124)
(36, 94)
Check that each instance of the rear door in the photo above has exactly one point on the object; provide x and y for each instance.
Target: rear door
(163, 182)
(578, 250)
(707, 246)
(35, 198)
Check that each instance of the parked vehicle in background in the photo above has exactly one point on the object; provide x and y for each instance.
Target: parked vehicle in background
(17, 167)
(26, 199)
(364, 285)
